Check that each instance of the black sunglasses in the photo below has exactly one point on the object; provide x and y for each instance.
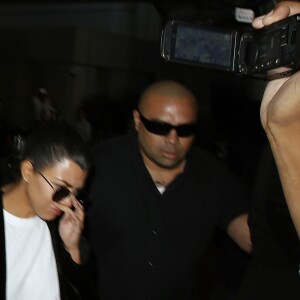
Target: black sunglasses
(62, 192)
(162, 128)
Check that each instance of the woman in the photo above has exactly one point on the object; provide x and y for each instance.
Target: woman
(41, 254)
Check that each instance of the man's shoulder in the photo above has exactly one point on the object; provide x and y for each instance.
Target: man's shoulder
(202, 160)
(116, 146)
(201, 155)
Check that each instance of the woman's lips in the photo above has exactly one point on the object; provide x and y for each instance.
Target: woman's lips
(56, 211)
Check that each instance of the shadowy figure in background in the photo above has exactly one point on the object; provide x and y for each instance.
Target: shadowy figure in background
(272, 272)
(240, 147)
(107, 116)
(44, 107)
(82, 125)
(38, 101)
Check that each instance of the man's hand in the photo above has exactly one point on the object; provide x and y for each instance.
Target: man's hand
(239, 231)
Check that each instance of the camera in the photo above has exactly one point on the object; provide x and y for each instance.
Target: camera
(269, 53)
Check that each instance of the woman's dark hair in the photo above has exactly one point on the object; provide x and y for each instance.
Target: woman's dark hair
(45, 146)
(54, 142)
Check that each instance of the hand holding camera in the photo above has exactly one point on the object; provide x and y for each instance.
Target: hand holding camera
(270, 53)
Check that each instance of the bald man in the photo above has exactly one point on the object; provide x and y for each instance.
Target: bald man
(157, 202)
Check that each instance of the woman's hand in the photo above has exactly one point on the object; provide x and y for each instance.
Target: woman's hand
(70, 227)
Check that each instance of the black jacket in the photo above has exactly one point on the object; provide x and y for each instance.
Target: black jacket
(147, 245)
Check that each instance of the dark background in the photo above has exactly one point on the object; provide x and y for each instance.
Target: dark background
(102, 54)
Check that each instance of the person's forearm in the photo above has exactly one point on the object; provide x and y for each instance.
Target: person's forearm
(285, 143)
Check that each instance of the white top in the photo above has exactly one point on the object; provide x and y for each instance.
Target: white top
(31, 271)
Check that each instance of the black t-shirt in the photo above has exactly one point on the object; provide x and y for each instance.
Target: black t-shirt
(148, 245)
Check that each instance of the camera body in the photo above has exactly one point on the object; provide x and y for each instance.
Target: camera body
(268, 53)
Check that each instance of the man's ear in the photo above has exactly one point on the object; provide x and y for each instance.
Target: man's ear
(27, 170)
(136, 119)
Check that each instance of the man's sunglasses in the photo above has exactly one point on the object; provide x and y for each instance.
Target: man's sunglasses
(163, 128)
(62, 192)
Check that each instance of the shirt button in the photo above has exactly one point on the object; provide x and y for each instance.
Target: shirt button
(154, 232)
(150, 264)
